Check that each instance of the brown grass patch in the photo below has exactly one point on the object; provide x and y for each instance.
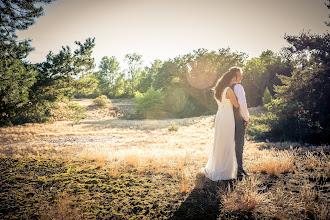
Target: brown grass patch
(273, 162)
(184, 184)
(318, 163)
(63, 208)
(132, 160)
(100, 162)
(243, 196)
(114, 171)
(283, 204)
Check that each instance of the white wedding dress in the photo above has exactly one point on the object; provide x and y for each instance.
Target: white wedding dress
(222, 163)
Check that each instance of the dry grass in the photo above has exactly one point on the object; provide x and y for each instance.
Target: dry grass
(273, 162)
(283, 204)
(244, 196)
(100, 162)
(178, 156)
(184, 184)
(309, 198)
(63, 208)
(132, 160)
(114, 172)
(317, 163)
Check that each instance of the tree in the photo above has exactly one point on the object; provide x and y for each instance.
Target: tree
(55, 78)
(57, 75)
(16, 75)
(150, 105)
(302, 102)
(15, 83)
(108, 76)
(148, 76)
(18, 15)
(134, 71)
(261, 72)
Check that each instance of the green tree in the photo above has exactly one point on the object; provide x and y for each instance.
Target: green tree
(261, 72)
(85, 86)
(18, 15)
(205, 69)
(108, 75)
(150, 105)
(148, 76)
(16, 75)
(15, 81)
(134, 62)
(302, 102)
(57, 77)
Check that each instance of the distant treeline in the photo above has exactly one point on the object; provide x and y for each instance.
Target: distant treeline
(298, 79)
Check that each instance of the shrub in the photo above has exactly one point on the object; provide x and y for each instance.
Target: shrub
(101, 100)
(243, 196)
(173, 127)
(263, 127)
(150, 105)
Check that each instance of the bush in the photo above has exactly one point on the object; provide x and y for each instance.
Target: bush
(173, 127)
(101, 100)
(264, 127)
(150, 105)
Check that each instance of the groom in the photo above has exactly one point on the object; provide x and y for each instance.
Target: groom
(241, 115)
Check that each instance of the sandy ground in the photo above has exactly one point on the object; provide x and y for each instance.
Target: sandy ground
(103, 126)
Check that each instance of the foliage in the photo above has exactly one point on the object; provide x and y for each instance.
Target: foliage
(67, 110)
(150, 105)
(134, 62)
(148, 76)
(267, 98)
(187, 80)
(302, 102)
(260, 127)
(101, 100)
(85, 86)
(108, 76)
(16, 75)
(56, 76)
(262, 72)
(18, 15)
(16, 80)
(173, 127)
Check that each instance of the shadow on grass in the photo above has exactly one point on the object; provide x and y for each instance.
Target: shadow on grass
(204, 201)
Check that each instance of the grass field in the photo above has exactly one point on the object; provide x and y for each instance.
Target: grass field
(110, 168)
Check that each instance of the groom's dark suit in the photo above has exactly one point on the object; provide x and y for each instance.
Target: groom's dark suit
(239, 124)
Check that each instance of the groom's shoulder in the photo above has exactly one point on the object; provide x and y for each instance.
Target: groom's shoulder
(238, 86)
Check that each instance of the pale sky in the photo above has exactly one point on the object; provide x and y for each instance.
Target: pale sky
(163, 29)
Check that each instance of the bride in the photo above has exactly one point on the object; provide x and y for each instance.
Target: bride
(222, 163)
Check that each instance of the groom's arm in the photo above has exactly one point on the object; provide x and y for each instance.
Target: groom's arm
(240, 94)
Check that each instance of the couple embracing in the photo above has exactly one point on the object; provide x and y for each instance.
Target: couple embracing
(225, 161)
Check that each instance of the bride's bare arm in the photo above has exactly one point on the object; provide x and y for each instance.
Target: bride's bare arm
(232, 97)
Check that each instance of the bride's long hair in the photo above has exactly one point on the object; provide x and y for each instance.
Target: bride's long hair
(222, 83)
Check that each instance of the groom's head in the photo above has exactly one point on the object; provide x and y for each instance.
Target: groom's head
(238, 71)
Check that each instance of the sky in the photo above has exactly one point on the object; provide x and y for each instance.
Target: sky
(164, 29)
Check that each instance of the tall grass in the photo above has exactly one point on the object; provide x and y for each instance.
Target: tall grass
(273, 162)
(243, 196)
